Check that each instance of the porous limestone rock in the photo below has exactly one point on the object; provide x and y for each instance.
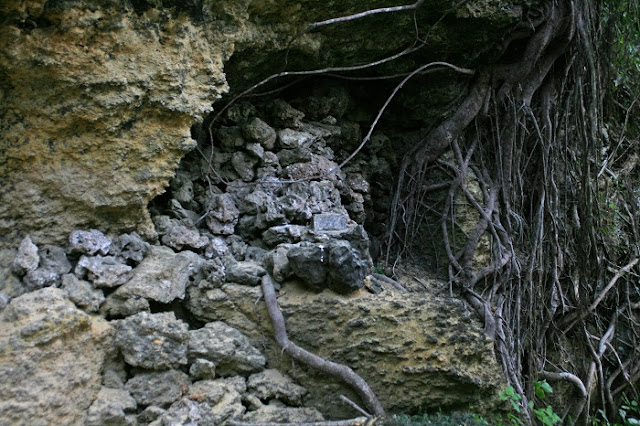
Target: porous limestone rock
(103, 271)
(96, 122)
(416, 350)
(51, 354)
(158, 388)
(112, 407)
(89, 242)
(227, 348)
(272, 384)
(27, 258)
(153, 341)
(162, 276)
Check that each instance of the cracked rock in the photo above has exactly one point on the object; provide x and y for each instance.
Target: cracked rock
(89, 242)
(103, 271)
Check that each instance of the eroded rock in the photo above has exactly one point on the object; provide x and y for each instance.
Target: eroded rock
(229, 349)
(51, 354)
(112, 407)
(153, 341)
(158, 388)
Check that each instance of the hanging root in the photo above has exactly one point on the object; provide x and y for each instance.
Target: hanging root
(339, 371)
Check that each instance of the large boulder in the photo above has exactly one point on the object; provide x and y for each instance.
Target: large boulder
(416, 350)
(51, 354)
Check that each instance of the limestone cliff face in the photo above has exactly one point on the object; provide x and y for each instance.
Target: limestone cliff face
(97, 104)
(97, 98)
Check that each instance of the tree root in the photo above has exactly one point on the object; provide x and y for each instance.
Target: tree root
(340, 371)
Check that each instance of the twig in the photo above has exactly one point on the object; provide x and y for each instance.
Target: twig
(612, 282)
(355, 406)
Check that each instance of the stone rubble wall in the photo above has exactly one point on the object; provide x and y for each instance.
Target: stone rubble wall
(177, 333)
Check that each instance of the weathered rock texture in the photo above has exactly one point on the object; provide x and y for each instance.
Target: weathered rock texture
(97, 98)
(96, 103)
(51, 354)
(400, 343)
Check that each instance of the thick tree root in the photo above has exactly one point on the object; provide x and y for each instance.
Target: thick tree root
(340, 371)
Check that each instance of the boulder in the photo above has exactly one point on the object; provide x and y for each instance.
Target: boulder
(112, 407)
(153, 341)
(158, 388)
(229, 349)
(162, 276)
(89, 242)
(51, 355)
(272, 384)
(416, 350)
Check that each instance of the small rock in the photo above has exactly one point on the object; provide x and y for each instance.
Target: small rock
(158, 388)
(110, 408)
(230, 138)
(162, 276)
(129, 247)
(153, 341)
(89, 242)
(179, 236)
(240, 111)
(277, 263)
(229, 349)
(40, 278)
(287, 157)
(202, 369)
(257, 130)
(272, 384)
(284, 115)
(283, 234)
(117, 307)
(217, 248)
(274, 413)
(222, 214)
(329, 222)
(244, 165)
(290, 139)
(103, 271)
(54, 259)
(27, 258)
(247, 273)
(82, 293)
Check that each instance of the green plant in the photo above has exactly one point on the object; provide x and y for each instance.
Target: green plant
(545, 415)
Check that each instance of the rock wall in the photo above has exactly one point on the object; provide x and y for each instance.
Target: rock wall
(188, 337)
(101, 108)
(97, 98)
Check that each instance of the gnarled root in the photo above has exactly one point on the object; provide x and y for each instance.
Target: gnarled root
(340, 371)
